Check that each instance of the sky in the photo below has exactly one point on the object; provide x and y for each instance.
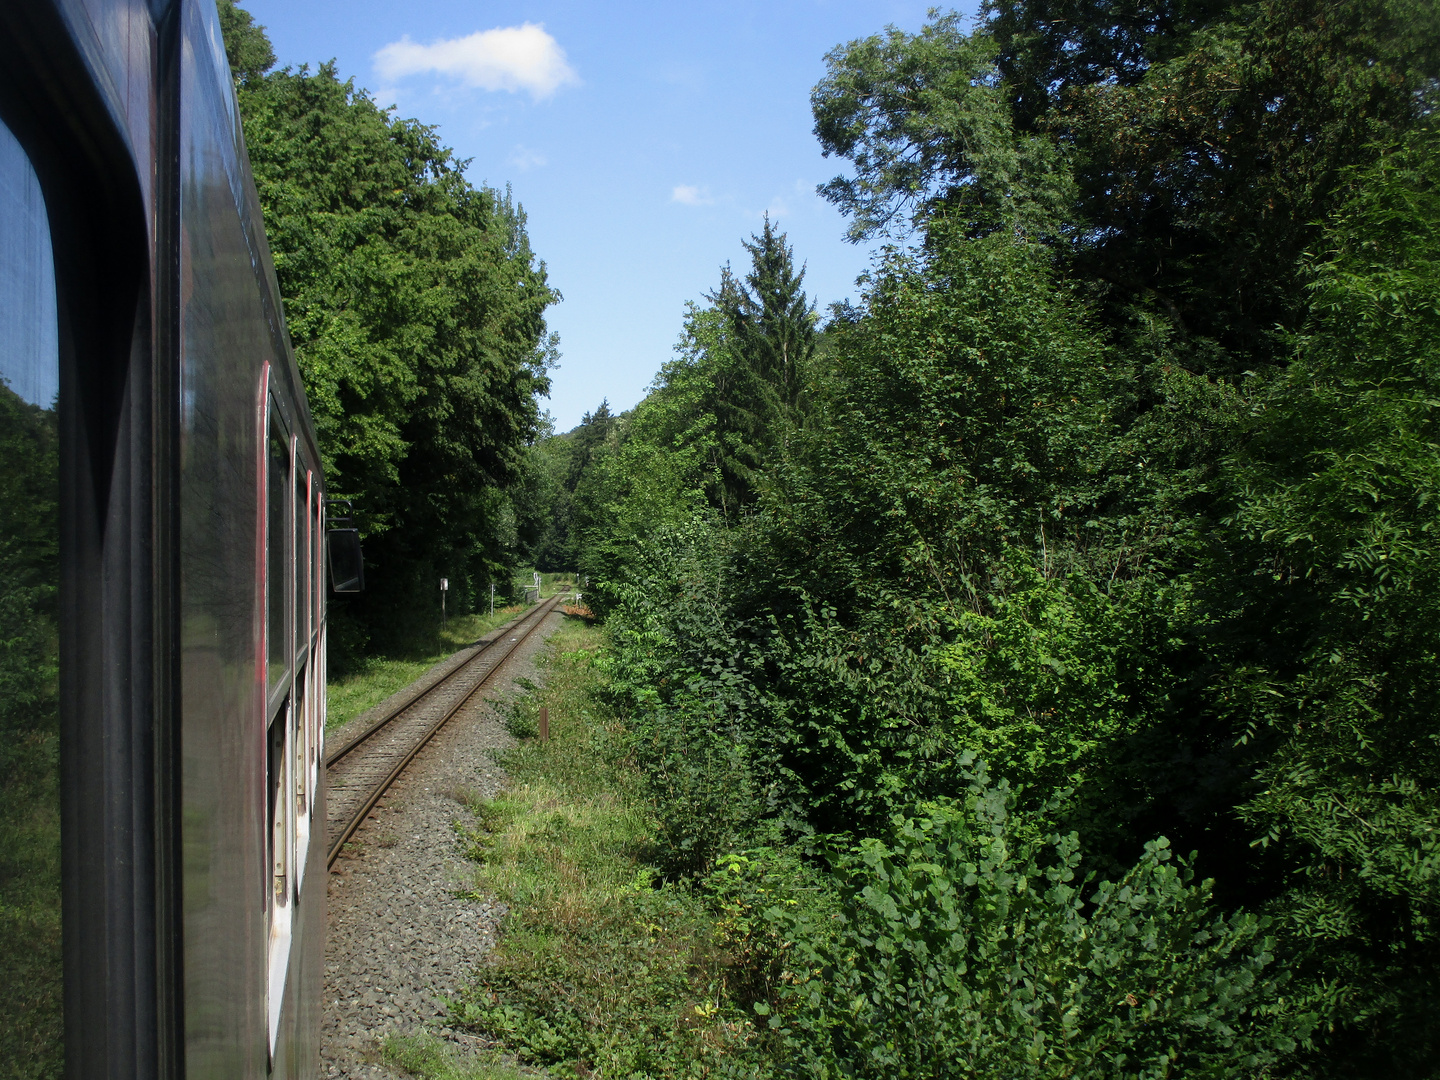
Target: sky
(644, 141)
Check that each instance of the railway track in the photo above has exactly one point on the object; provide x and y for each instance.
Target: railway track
(360, 770)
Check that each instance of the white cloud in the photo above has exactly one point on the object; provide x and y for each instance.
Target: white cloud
(524, 158)
(777, 209)
(506, 58)
(689, 195)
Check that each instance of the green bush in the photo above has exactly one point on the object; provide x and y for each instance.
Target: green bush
(965, 951)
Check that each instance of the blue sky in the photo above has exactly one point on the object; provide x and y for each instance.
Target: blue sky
(645, 140)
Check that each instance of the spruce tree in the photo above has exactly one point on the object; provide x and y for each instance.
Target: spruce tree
(770, 326)
(774, 324)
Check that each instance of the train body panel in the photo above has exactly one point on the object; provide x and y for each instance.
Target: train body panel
(191, 583)
(229, 307)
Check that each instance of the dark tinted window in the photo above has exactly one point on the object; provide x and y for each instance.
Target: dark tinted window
(346, 565)
(277, 535)
(30, 962)
(302, 548)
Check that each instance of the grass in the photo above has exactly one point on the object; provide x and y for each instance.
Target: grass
(434, 1059)
(31, 1031)
(602, 970)
(381, 676)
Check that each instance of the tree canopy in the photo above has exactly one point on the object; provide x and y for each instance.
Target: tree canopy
(416, 308)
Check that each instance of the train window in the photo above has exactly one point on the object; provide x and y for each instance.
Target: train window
(317, 609)
(300, 753)
(30, 990)
(317, 566)
(280, 815)
(276, 544)
(302, 548)
(281, 741)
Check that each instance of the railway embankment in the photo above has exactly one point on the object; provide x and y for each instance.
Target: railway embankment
(406, 924)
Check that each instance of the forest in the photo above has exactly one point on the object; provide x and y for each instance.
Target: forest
(1033, 666)
(1041, 654)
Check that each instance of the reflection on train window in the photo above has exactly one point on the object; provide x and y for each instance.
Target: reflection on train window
(278, 495)
(302, 563)
(30, 961)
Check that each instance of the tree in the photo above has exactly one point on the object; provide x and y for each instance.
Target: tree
(246, 46)
(1177, 154)
(755, 358)
(773, 322)
(416, 309)
(1323, 614)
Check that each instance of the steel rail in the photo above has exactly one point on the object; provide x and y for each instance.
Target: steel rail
(482, 650)
(377, 792)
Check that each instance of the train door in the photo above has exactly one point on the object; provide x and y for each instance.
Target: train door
(291, 529)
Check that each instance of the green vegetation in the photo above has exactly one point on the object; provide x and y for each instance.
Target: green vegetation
(431, 1058)
(598, 967)
(31, 1022)
(416, 309)
(1030, 671)
(372, 679)
(1038, 677)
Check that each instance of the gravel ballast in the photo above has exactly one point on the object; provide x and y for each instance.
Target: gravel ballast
(400, 940)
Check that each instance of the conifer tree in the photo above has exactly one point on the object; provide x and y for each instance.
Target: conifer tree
(774, 323)
(769, 326)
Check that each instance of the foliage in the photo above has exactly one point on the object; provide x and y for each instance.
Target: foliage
(557, 466)
(431, 1058)
(375, 678)
(1179, 153)
(962, 949)
(598, 972)
(1108, 483)
(246, 45)
(716, 415)
(416, 308)
(1121, 478)
(687, 677)
(1326, 605)
(771, 338)
(31, 1021)
(925, 123)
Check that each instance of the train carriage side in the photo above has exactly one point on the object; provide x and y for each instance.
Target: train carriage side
(188, 585)
(251, 500)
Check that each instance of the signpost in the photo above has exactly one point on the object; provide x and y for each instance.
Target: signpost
(492, 598)
(444, 588)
